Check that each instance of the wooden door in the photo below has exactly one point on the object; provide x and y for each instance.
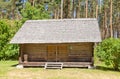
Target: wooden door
(63, 53)
(51, 54)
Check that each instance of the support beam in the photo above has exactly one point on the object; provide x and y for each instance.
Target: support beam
(92, 59)
(56, 53)
(47, 53)
(20, 54)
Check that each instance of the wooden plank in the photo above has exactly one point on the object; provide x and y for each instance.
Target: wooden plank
(63, 53)
(51, 53)
(65, 64)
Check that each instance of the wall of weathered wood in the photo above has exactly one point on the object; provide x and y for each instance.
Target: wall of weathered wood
(77, 52)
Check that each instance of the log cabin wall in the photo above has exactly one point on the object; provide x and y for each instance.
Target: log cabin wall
(77, 52)
(35, 52)
(82, 52)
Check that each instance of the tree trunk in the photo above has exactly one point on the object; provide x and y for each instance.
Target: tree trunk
(58, 12)
(92, 10)
(13, 9)
(97, 9)
(78, 9)
(73, 8)
(103, 30)
(86, 9)
(69, 8)
(13, 14)
(32, 2)
(106, 28)
(61, 9)
(66, 9)
(55, 14)
(111, 28)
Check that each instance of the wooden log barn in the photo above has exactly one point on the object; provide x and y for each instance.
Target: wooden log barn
(70, 41)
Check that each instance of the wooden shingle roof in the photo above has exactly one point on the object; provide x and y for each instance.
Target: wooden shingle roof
(58, 31)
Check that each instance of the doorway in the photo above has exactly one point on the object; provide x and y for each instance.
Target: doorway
(57, 53)
(52, 53)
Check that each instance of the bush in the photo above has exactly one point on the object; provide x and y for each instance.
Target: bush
(9, 52)
(109, 52)
(7, 31)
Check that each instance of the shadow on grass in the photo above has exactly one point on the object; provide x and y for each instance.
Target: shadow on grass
(27, 66)
(14, 65)
(33, 67)
(105, 68)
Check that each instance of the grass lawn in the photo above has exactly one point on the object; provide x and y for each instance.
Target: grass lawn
(9, 71)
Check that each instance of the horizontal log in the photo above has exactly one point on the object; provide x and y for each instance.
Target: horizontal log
(65, 64)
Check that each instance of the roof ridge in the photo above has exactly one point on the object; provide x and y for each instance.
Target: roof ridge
(72, 19)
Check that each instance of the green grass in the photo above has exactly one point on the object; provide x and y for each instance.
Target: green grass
(9, 71)
(6, 66)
